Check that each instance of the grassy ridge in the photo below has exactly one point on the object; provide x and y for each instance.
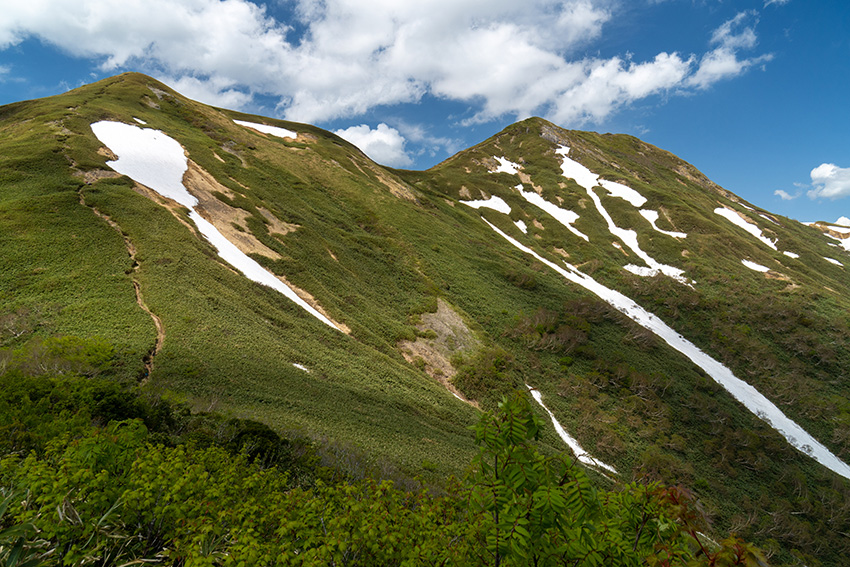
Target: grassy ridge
(375, 260)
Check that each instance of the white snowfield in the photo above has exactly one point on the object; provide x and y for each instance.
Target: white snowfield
(738, 220)
(842, 229)
(155, 160)
(494, 202)
(582, 455)
(751, 398)
(563, 216)
(520, 224)
(622, 191)
(506, 166)
(266, 129)
(754, 266)
(652, 217)
(791, 254)
(833, 261)
(588, 180)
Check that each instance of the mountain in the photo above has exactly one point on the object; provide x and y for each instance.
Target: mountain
(269, 270)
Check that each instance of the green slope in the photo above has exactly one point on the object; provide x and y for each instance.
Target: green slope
(377, 248)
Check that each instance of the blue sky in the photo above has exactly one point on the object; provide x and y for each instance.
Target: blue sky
(753, 93)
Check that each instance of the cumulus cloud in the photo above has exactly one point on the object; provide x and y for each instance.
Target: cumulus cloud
(341, 58)
(384, 145)
(784, 195)
(830, 181)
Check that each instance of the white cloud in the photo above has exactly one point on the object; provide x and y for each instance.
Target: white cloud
(384, 145)
(784, 195)
(830, 181)
(215, 90)
(722, 62)
(501, 56)
(777, 2)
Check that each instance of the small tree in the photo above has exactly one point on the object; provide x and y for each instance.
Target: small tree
(530, 509)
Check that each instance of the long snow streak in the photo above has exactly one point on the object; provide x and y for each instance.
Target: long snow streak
(582, 455)
(157, 161)
(740, 390)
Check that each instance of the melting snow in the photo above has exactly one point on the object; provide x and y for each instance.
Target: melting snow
(265, 128)
(833, 260)
(764, 216)
(522, 226)
(791, 254)
(751, 398)
(563, 216)
(139, 120)
(842, 229)
(582, 455)
(506, 166)
(624, 192)
(301, 367)
(738, 220)
(153, 159)
(587, 179)
(754, 266)
(843, 242)
(494, 202)
(652, 217)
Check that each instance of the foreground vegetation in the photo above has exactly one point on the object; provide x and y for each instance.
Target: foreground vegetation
(93, 473)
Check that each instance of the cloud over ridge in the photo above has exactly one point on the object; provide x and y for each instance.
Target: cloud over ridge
(341, 58)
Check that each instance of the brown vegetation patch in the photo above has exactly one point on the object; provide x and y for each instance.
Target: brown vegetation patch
(202, 186)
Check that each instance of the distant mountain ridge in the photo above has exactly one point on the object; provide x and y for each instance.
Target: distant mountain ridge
(610, 278)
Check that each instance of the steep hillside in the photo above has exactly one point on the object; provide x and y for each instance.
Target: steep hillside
(672, 331)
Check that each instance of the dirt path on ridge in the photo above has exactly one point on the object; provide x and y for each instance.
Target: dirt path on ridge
(148, 358)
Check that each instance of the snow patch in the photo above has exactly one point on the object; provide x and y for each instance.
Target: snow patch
(833, 260)
(494, 202)
(587, 179)
(582, 455)
(754, 266)
(652, 217)
(791, 254)
(266, 129)
(842, 242)
(642, 271)
(522, 226)
(738, 220)
(563, 216)
(764, 216)
(139, 120)
(624, 192)
(844, 221)
(158, 161)
(301, 367)
(506, 166)
(748, 396)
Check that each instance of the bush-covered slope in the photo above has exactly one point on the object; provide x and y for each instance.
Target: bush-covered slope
(431, 296)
